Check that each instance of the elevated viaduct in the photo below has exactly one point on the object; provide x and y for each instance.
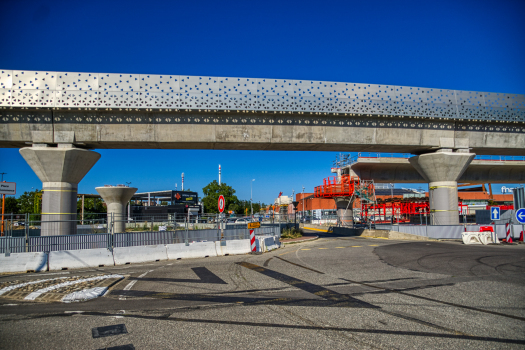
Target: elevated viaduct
(62, 115)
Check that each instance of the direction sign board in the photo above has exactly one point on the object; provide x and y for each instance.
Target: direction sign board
(254, 225)
(221, 203)
(520, 215)
(8, 188)
(494, 213)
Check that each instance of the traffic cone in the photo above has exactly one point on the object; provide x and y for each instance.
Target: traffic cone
(521, 236)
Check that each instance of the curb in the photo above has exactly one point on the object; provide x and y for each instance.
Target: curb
(301, 241)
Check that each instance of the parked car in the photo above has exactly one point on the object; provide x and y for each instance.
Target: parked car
(243, 220)
(306, 219)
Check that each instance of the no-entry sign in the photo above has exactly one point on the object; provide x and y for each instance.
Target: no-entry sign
(221, 203)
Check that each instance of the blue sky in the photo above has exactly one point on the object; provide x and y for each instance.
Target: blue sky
(465, 45)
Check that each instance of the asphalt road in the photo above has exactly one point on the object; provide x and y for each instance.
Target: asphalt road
(335, 292)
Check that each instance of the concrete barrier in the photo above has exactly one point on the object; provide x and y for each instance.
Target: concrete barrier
(77, 259)
(23, 262)
(240, 246)
(193, 250)
(139, 254)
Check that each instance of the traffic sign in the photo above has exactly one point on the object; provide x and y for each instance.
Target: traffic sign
(254, 225)
(8, 188)
(520, 215)
(494, 213)
(221, 203)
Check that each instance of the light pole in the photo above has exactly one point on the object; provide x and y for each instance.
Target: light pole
(251, 196)
(302, 214)
(129, 204)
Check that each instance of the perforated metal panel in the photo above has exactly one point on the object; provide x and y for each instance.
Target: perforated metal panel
(102, 90)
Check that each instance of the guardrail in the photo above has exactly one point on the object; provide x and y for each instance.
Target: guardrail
(128, 239)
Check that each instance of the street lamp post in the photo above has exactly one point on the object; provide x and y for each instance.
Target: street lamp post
(251, 196)
(129, 204)
(302, 214)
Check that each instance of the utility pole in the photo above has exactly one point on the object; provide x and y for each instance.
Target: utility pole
(129, 204)
(3, 206)
(302, 214)
(251, 195)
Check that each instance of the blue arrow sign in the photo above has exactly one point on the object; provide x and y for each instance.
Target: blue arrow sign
(494, 213)
(520, 215)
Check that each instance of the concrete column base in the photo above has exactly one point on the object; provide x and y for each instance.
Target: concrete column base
(116, 199)
(60, 170)
(345, 211)
(442, 170)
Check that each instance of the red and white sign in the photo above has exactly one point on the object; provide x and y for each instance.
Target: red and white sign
(8, 188)
(221, 203)
(252, 241)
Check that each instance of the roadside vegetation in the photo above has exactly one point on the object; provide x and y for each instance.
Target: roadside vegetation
(291, 233)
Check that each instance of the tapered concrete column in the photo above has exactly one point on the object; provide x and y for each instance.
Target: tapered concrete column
(345, 210)
(116, 198)
(60, 169)
(442, 171)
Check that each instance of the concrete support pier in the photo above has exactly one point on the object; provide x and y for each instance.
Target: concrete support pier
(442, 170)
(60, 169)
(116, 198)
(345, 210)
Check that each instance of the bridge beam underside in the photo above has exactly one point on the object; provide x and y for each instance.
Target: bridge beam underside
(141, 129)
(60, 170)
(442, 170)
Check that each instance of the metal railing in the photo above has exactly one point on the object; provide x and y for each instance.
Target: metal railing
(26, 236)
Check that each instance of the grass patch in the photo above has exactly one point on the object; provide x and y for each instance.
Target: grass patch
(291, 233)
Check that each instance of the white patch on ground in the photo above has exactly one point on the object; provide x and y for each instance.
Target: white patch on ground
(16, 286)
(85, 294)
(39, 292)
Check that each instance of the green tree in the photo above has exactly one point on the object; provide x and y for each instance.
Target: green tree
(26, 202)
(11, 205)
(212, 191)
(92, 205)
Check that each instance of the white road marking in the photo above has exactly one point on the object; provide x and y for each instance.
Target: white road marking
(39, 292)
(10, 288)
(54, 273)
(73, 312)
(132, 283)
(10, 305)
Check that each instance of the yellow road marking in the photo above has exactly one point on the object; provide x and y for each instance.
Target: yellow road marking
(315, 229)
(340, 247)
(323, 248)
(374, 245)
(305, 249)
(356, 246)
(286, 253)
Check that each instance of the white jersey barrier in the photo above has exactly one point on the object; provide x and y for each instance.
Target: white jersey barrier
(22, 262)
(139, 254)
(267, 243)
(82, 258)
(478, 237)
(240, 246)
(193, 250)
(77, 259)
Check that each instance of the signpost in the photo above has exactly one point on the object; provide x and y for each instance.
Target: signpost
(495, 213)
(252, 225)
(520, 215)
(221, 205)
(8, 188)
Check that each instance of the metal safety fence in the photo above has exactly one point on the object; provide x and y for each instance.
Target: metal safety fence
(11, 244)
(451, 231)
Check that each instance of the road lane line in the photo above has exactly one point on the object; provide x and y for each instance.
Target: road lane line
(132, 283)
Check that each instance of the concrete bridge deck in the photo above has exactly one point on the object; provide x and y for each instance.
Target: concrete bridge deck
(98, 110)
(400, 170)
